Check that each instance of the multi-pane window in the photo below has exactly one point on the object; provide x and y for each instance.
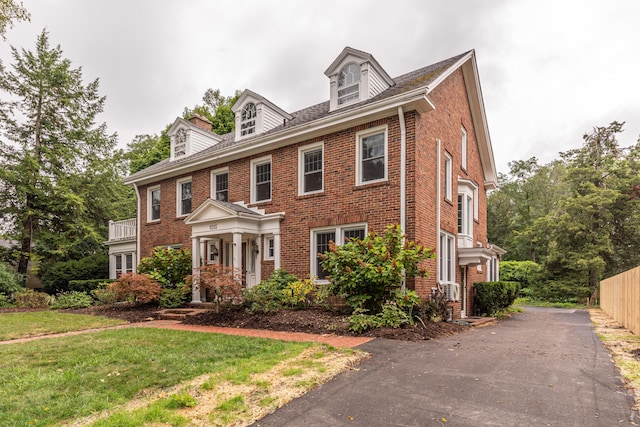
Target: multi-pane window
(248, 119)
(154, 204)
(448, 185)
(465, 214)
(372, 153)
(222, 187)
(338, 235)
(322, 246)
(184, 197)
(180, 143)
(311, 171)
(124, 264)
(446, 258)
(463, 148)
(349, 83)
(269, 248)
(262, 180)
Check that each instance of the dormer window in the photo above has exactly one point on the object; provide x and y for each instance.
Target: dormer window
(248, 119)
(180, 146)
(349, 83)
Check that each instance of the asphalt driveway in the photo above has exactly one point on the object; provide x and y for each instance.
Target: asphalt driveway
(544, 367)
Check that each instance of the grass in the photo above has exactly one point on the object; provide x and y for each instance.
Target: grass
(538, 303)
(36, 323)
(49, 382)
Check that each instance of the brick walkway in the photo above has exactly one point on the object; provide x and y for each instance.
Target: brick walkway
(334, 340)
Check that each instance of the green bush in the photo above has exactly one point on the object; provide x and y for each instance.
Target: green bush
(105, 294)
(167, 266)
(298, 294)
(5, 302)
(173, 298)
(391, 316)
(368, 272)
(268, 295)
(32, 299)
(9, 283)
(57, 277)
(491, 297)
(87, 285)
(72, 299)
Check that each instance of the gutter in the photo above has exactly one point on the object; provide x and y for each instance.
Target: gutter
(438, 207)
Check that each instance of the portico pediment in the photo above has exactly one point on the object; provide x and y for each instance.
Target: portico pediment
(214, 210)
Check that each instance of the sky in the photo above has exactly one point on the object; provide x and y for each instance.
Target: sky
(550, 71)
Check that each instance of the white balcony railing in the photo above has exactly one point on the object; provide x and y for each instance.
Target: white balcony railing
(122, 230)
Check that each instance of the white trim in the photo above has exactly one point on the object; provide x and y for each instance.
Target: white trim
(446, 260)
(212, 182)
(301, 152)
(254, 164)
(464, 147)
(448, 177)
(149, 201)
(363, 134)
(265, 252)
(339, 231)
(179, 183)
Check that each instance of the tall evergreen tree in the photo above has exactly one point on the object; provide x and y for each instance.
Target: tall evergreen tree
(52, 151)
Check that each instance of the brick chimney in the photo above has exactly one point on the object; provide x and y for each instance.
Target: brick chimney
(201, 121)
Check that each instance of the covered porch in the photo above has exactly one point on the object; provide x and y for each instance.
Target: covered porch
(235, 236)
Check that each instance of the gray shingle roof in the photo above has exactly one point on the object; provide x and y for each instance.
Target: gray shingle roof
(420, 78)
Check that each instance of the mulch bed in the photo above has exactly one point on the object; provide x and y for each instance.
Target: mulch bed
(314, 321)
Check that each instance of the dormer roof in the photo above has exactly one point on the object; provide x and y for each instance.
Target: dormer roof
(188, 138)
(255, 115)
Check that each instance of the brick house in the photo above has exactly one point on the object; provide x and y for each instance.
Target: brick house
(413, 150)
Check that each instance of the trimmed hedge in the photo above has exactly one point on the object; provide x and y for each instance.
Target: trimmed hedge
(491, 297)
(56, 277)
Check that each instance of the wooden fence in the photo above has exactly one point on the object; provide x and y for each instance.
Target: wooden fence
(620, 298)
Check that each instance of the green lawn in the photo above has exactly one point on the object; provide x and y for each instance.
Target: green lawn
(35, 323)
(47, 382)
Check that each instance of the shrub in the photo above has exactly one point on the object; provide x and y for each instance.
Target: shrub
(9, 283)
(267, 295)
(5, 301)
(32, 299)
(136, 287)
(173, 298)
(57, 277)
(391, 316)
(368, 272)
(297, 294)
(491, 297)
(104, 294)
(72, 299)
(87, 285)
(222, 282)
(167, 266)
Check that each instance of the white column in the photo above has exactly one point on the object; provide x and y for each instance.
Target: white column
(203, 261)
(259, 255)
(195, 265)
(237, 256)
(276, 250)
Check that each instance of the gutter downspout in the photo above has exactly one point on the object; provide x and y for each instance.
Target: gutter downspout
(403, 183)
(438, 198)
(138, 220)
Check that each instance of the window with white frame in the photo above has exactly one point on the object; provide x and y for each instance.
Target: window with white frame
(349, 83)
(124, 264)
(321, 237)
(492, 270)
(184, 196)
(372, 155)
(220, 185)
(463, 148)
(153, 202)
(180, 143)
(269, 248)
(465, 212)
(448, 183)
(248, 119)
(446, 258)
(261, 180)
(310, 167)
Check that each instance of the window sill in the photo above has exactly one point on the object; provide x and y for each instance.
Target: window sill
(366, 186)
(310, 195)
(154, 222)
(260, 204)
(449, 202)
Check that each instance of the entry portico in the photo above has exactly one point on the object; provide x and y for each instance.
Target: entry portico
(232, 234)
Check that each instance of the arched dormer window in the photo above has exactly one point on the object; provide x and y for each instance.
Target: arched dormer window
(248, 119)
(349, 83)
